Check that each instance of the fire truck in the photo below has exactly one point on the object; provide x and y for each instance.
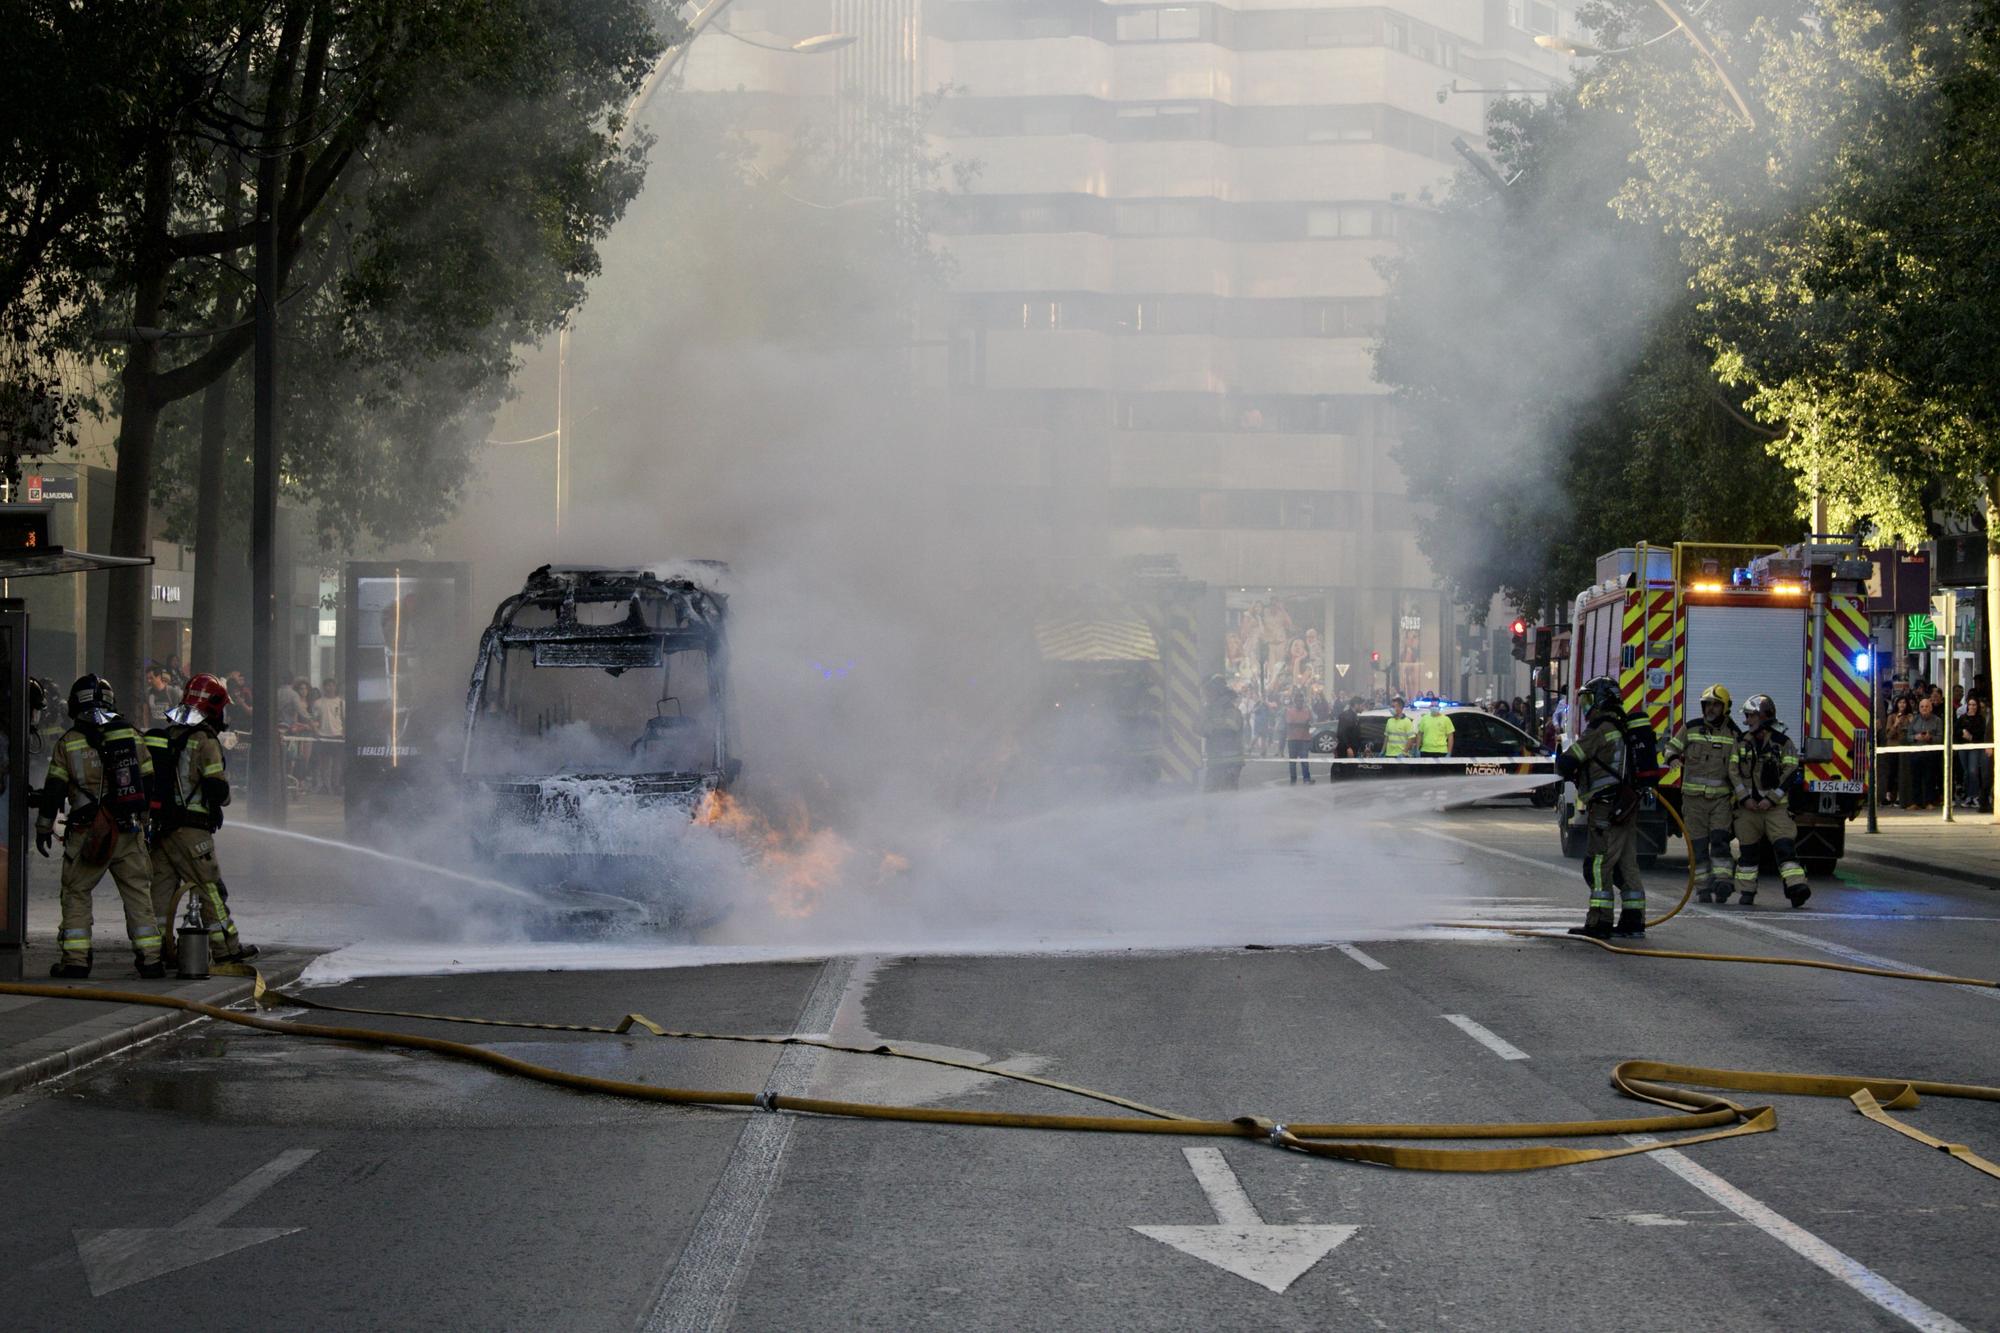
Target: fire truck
(1790, 622)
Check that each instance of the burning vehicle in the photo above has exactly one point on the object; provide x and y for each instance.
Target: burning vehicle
(597, 724)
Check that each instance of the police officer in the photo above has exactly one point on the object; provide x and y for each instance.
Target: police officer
(101, 770)
(1764, 772)
(192, 785)
(1399, 731)
(1706, 752)
(1597, 763)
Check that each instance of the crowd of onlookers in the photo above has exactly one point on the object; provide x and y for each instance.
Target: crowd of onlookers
(1918, 713)
(313, 721)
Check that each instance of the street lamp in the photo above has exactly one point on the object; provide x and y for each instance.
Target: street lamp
(1683, 23)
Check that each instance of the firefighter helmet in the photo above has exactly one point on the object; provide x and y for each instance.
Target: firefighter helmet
(1717, 694)
(1759, 709)
(91, 694)
(207, 696)
(1601, 695)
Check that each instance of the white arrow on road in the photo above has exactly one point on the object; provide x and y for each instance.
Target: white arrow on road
(1271, 1255)
(114, 1259)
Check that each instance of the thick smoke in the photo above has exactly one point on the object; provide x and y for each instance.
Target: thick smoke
(750, 383)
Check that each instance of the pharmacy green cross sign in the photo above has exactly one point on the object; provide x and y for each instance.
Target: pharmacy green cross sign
(1922, 633)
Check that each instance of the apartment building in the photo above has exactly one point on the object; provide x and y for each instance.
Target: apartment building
(1167, 275)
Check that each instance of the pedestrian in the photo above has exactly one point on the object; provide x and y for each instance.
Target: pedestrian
(1322, 706)
(1347, 740)
(1267, 724)
(1926, 770)
(191, 784)
(1503, 711)
(330, 721)
(1763, 774)
(1399, 731)
(1600, 764)
(100, 769)
(1435, 739)
(1706, 752)
(1975, 767)
(1298, 733)
(1896, 732)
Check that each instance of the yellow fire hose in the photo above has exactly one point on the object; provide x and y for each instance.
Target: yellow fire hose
(1670, 1085)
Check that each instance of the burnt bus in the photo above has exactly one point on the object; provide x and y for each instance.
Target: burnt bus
(598, 714)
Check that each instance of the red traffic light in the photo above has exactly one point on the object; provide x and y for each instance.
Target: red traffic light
(1375, 659)
(1520, 627)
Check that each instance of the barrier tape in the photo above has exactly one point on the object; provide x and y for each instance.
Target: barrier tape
(1398, 760)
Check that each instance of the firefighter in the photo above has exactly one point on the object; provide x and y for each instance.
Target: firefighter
(1764, 772)
(192, 786)
(101, 770)
(1599, 763)
(1706, 752)
(1221, 736)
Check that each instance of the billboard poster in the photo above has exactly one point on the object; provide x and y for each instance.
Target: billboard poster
(403, 638)
(1275, 641)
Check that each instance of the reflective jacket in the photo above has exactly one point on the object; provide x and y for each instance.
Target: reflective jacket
(1765, 765)
(76, 769)
(1596, 762)
(193, 784)
(1706, 755)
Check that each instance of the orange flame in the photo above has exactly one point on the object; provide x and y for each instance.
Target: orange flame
(802, 861)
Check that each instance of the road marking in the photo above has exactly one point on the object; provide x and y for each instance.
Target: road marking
(1225, 1192)
(1803, 1243)
(1272, 1255)
(700, 1292)
(1837, 950)
(1504, 1049)
(124, 1257)
(1362, 958)
(1536, 862)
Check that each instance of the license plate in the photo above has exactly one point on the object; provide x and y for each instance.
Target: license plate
(1838, 786)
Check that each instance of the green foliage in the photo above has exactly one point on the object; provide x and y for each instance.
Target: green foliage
(1554, 395)
(1844, 252)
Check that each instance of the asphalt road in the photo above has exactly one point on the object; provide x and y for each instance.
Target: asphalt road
(397, 1190)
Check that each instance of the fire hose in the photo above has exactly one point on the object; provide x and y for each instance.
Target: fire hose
(1674, 1086)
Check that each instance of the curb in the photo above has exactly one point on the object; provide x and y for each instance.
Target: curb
(1911, 863)
(55, 1063)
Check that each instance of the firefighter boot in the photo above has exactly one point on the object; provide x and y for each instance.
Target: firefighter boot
(234, 950)
(75, 967)
(1596, 924)
(1796, 888)
(149, 971)
(1631, 924)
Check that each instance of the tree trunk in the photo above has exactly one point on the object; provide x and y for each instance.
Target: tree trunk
(208, 554)
(1993, 626)
(127, 604)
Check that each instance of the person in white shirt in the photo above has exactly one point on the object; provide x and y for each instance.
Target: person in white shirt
(330, 721)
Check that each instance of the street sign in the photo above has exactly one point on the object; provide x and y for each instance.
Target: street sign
(1340, 667)
(46, 490)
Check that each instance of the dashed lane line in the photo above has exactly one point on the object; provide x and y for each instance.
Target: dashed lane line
(1362, 958)
(1506, 1050)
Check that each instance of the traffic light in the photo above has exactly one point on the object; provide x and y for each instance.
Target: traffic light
(1375, 659)
(1520, 632)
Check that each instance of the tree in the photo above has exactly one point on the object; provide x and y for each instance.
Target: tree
(351, 120)
(1845, 253)
(1554, 394)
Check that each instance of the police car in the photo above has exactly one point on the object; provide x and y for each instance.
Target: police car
(1476, 734)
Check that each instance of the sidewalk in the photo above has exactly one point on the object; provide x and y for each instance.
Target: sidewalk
(41, 1038)
(1967, 849)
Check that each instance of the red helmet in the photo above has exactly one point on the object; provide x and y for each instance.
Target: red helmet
(208, 696)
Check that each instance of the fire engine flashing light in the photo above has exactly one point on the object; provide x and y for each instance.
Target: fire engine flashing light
(1863, 661)
(1708, 586)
